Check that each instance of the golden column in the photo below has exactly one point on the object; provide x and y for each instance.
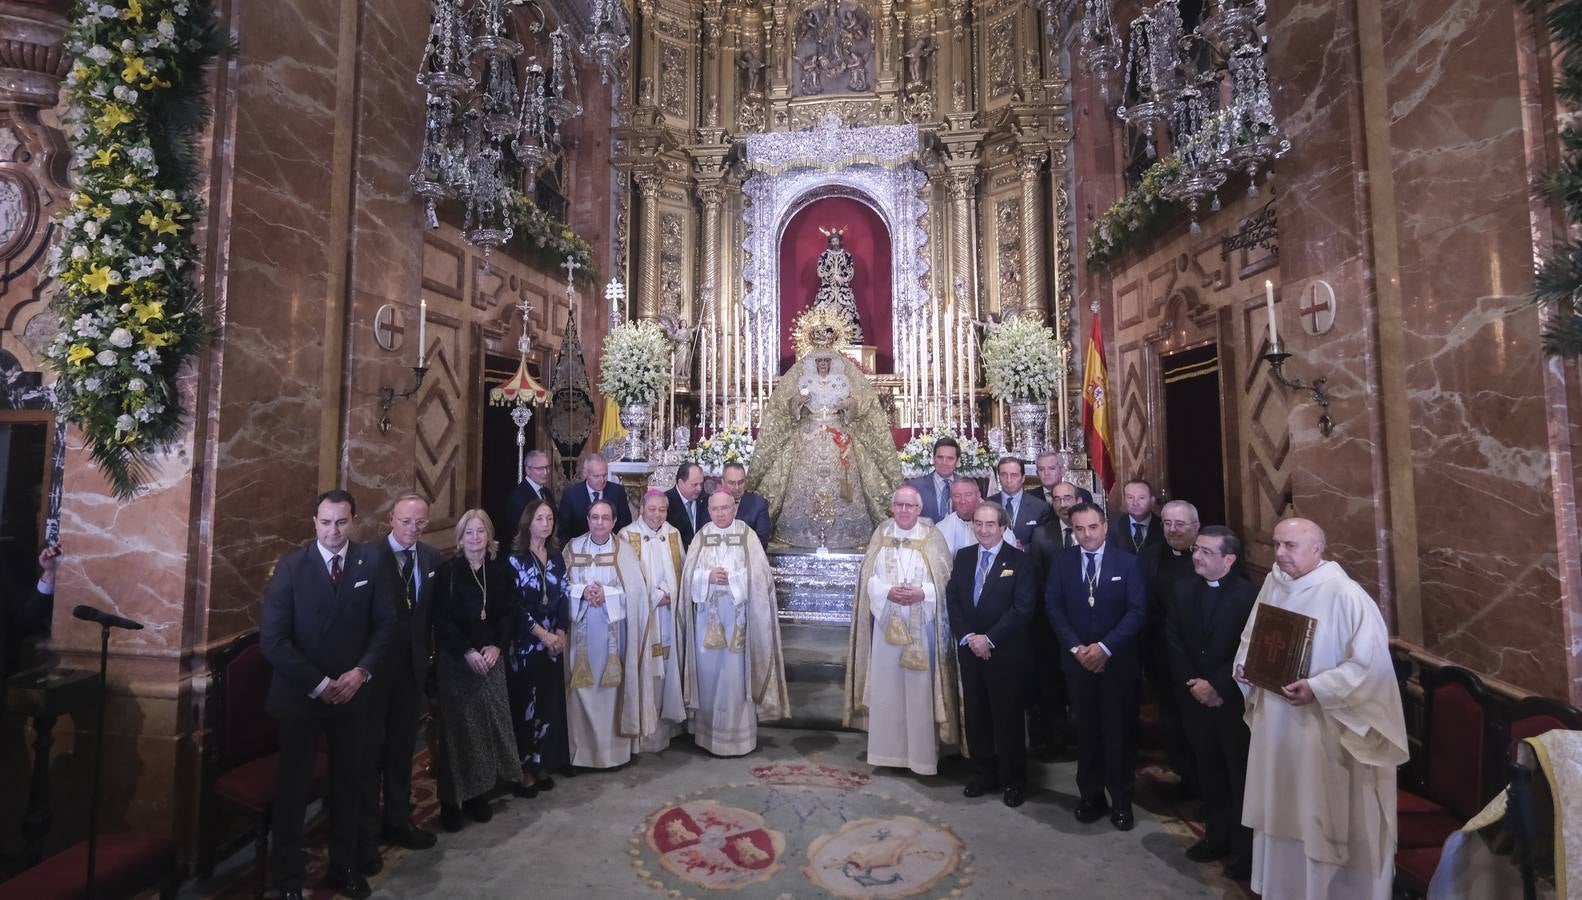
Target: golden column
(648, 185)
(1031, 163)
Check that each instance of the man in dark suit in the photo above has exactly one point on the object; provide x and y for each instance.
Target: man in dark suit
(990, 597)
(1204, 634)
(687, 510)
(572, 517)
(1024, 511)
(1140, 527)
(1165, 566)
(1047, 722)
(750, 506)
(934, 486)
(327, 620)
(534, 486)
(1095, 601)
(397, 699)
(1050, 467)
(25, 614)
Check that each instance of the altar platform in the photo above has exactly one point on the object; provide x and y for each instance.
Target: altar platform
(812, 588)
(815, 595)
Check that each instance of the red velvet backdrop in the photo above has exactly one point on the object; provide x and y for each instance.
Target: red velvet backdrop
(868, 241)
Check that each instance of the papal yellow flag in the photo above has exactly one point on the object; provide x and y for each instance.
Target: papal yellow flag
(610, 427)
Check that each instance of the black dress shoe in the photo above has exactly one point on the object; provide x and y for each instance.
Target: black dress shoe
(347, 883)
(1203, 852)
(525, 791)
(409, 836)
(478, 810)
(1239, 868)
(977, 787)
(1122, 819)
(1091, 811)
(1014, 796)
(370, 865)
(451, 819)
(544, 783)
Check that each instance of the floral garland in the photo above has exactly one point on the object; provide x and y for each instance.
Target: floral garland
(546, 237)
(636, 364)
(1135, 218)
(131, 315)
(917, 457)
(733, 444)
(1021, 361)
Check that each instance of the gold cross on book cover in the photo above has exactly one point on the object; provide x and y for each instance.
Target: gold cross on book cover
(1280, 649)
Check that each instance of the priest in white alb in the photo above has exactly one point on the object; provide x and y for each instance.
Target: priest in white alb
(733, 670)
(652, 708)
(901, 685)
(597, 661)
(1320, 795)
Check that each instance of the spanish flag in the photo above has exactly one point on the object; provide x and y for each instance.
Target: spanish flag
(1096, 408)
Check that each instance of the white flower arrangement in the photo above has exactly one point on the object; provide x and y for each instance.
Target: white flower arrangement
(636, 364)
(733, 444)
(917, 457)
(1021, 361)
(131, 314)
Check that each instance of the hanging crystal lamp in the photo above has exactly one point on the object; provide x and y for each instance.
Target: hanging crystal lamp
(604, 47)
(1254, 140)
(1101, 41)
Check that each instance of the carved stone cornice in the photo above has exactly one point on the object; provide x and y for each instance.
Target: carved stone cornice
(33, 59)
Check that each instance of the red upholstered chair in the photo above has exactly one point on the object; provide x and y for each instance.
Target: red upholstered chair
(240, 756)
(1532, 716)
(125, 865)
(1461, 762)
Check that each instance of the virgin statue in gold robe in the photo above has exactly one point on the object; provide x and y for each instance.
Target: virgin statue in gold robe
(825, 458)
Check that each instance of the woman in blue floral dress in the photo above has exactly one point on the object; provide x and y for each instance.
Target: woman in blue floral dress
(535, 679)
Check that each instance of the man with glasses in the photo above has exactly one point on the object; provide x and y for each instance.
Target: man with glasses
(751, 507)
(534, 486)
(1203, 633)
(1166, 565)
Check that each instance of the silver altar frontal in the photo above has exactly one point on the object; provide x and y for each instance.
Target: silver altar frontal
(815, 588)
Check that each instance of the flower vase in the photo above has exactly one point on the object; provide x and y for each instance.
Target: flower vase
(634, 418)
(1027, 422)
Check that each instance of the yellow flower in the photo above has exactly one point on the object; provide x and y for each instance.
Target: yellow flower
(114, 116)
(156, 224)
(101, 212)
(80, 72)
(133, 11)
(156, 338)
(103, 158)
(135, 69)
(98, 279)
(153, 82)
(154, 309)
(78, 353)
(81, 200)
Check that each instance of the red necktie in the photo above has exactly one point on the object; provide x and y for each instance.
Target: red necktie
(335, 571)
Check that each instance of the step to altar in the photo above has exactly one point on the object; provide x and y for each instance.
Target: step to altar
(815, 593)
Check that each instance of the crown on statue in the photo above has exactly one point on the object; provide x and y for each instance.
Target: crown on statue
(821, 327)
(836, 231)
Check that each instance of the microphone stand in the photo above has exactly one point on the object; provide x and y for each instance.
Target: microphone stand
(98, 756)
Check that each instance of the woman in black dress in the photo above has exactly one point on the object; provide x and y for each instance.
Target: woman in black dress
(535, 679)
(475, 616)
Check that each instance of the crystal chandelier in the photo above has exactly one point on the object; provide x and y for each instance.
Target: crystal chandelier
(1253, 137)
(1101, 53)
(1231, 23)
(604, 47)
(1201, 143)
(483, 126)
(1153, 69)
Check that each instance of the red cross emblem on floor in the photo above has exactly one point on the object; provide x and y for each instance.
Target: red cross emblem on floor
(713, 846)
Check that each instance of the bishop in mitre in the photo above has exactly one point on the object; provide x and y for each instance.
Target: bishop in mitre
(901, 684)
(653, 710)
(1320, 795)
(598, 659)
(733, 671)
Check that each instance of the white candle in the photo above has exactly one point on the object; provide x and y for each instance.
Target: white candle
(422, 329)
(1274, 336)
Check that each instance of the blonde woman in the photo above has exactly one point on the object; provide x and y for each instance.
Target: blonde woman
(475, 619)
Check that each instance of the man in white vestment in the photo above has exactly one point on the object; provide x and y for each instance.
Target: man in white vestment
(1321, 769)
(901, 683)
(965, 496)
(597, 660)
(732, 668)
(652, 708)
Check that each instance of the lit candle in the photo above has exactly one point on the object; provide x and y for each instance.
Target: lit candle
(422, 329)
(1274, 336)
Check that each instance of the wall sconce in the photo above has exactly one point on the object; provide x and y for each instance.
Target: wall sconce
(390, 396)
(1276, 357)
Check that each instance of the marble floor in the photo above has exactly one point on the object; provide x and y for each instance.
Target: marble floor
(802, 816)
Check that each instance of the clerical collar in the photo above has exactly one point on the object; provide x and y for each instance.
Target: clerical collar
(907, 532)
(1178, 553)
(1213, 584)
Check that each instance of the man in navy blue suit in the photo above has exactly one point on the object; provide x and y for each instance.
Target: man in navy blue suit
(750, 506)
(688, 511)
(934, 486)
(580, 497)
(991, 596)
(1096, 603)
(329, 613)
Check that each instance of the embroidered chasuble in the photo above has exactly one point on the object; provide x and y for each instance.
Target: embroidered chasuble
(1320, 793)
(652, 707)
(901, 683)
(733, 671)
(597, 661)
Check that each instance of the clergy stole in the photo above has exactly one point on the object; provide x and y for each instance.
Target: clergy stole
(901, 563)
(596, 671)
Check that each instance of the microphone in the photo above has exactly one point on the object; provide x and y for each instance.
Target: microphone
(108, 620)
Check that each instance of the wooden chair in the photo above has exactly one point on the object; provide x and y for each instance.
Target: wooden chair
(241, 757)
(1532, 716)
